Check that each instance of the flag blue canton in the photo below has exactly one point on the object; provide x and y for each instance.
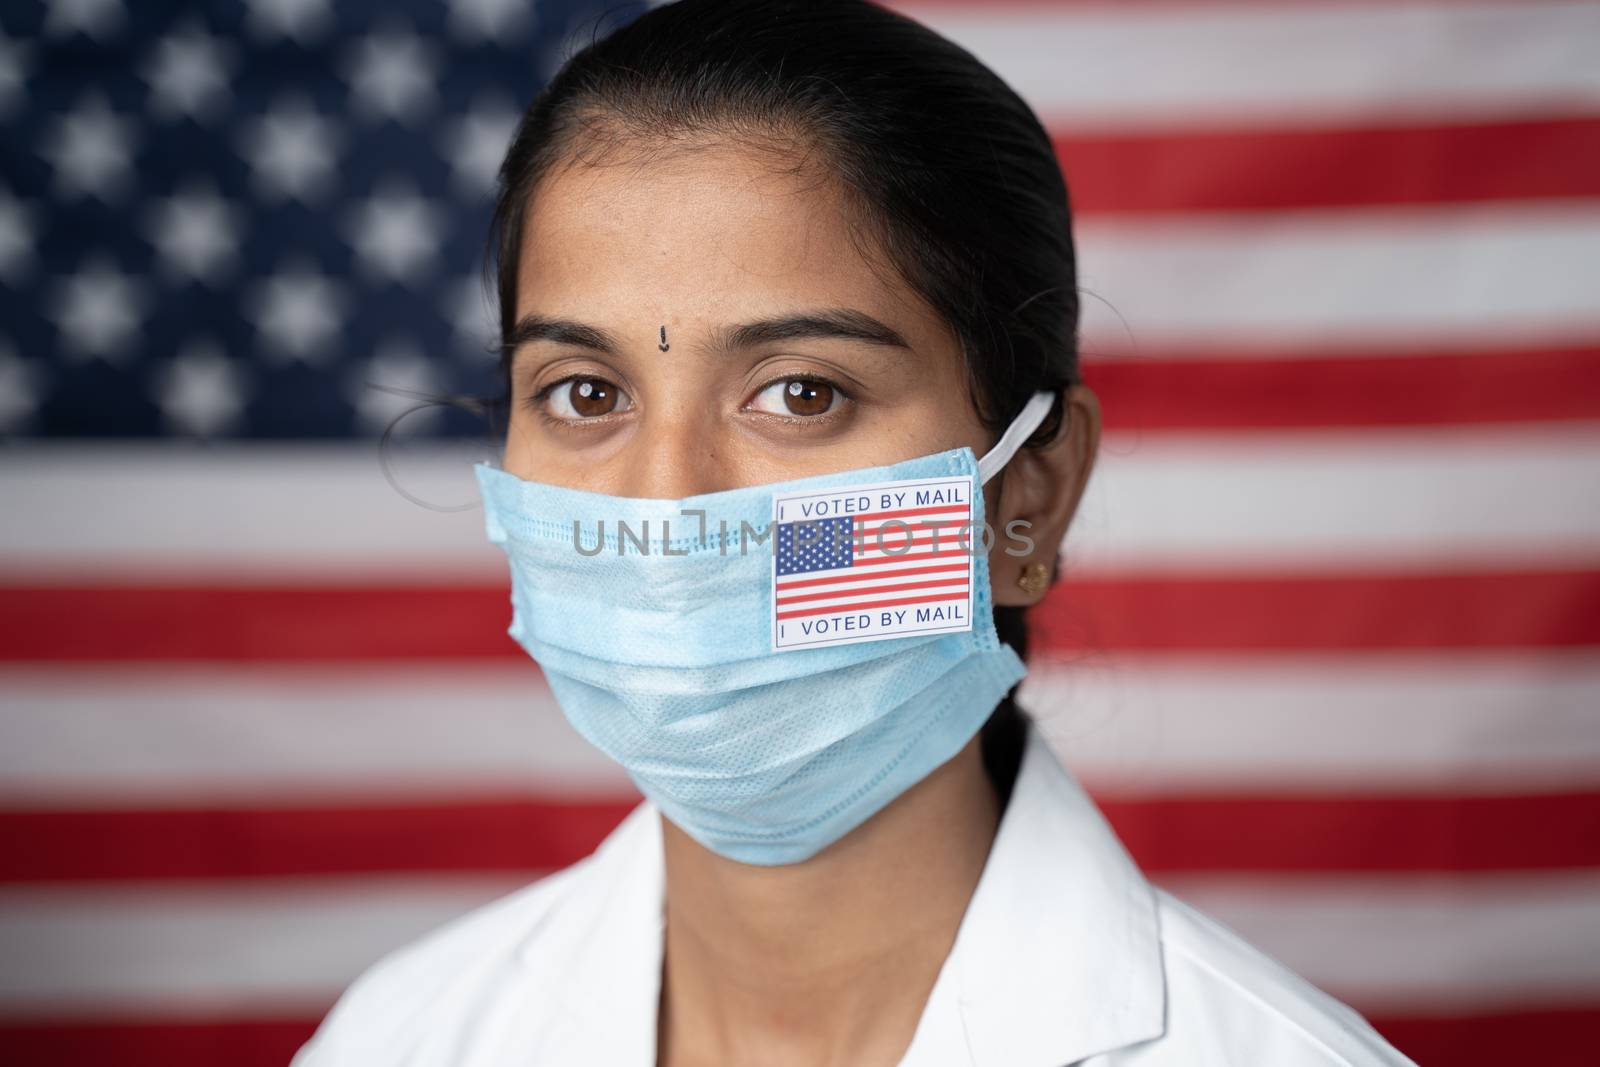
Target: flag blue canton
(260, 218)
(815, 545)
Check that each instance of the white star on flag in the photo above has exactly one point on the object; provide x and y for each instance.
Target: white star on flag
(301, 21)
(392, 73)
(97, 310)
(196, 233)
(187, 75)
(487, 20)
(90, 148)
(16, 238)
(292, 151)
(297, 311)
(394, 232)
(200, 391)
(18, 390)
(476, 143)
(98, 19)
(13, 72)
(393, 382)
(470, 308)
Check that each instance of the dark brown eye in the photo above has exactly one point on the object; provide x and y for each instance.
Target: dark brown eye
(797, 396)
(586, 398)
(807, 398)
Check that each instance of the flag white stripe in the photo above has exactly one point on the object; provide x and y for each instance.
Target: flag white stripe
(1421, 943)
(894, 533)
(1476, 941)
(916, 523)
(1488, 723)
(245, 949)
(246, 511)
(1127, 66)
(120, 736)
(848, 581)
(894, 544)
(892, 547)
(888, 538)
(871, 589)
(1364, 499)
(1468, 274)
(124, 737)
(844, 600)
(886, 568)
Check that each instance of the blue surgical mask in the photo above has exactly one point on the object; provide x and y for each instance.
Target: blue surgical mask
(767, 699)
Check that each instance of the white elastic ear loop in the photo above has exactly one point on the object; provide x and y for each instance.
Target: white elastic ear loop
(1021, 428)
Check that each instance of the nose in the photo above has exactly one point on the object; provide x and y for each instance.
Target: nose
(676, 453)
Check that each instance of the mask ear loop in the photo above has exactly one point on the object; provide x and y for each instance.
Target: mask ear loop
(1021, 428)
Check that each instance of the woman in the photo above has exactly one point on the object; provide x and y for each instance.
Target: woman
(772, 276)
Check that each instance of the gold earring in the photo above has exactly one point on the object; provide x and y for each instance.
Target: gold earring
(1034, 579)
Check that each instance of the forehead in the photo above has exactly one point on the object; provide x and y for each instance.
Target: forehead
(709, 229)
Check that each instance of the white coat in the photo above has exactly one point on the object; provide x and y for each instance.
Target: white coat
(1066, 955)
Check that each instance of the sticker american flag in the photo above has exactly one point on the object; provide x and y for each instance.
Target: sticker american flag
(868, 562)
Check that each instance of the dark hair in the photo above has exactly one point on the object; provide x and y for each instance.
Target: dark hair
(948, 174)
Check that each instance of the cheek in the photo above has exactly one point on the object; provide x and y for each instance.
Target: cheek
(520, 454)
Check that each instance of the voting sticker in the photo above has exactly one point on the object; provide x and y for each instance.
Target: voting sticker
(868, 562)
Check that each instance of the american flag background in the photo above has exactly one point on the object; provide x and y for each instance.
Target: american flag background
(1326, 644)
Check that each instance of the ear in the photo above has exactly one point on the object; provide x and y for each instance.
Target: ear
(1033, 499)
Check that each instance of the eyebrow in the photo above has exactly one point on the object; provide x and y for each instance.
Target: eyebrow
(827, 323)
(824, 323)
(531, 328)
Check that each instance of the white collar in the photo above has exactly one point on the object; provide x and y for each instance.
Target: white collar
(1057, 958)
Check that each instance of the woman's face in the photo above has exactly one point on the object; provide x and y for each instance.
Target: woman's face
(786, 353)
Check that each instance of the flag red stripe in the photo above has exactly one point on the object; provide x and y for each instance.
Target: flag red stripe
(1255, 832)
(898, 544)
(1278, 390)
(481, 835)
(874, 590)
(1425, 832)
(785, 584)
(1189, 169)
(1136, 611)
(943, 553)
(921, 524)
(1561, 1036)
(905, 513)
(1150, 612)
(917, 527)
(1552, 1037)
(300, 623)
(164, 1042)
(805, 613)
